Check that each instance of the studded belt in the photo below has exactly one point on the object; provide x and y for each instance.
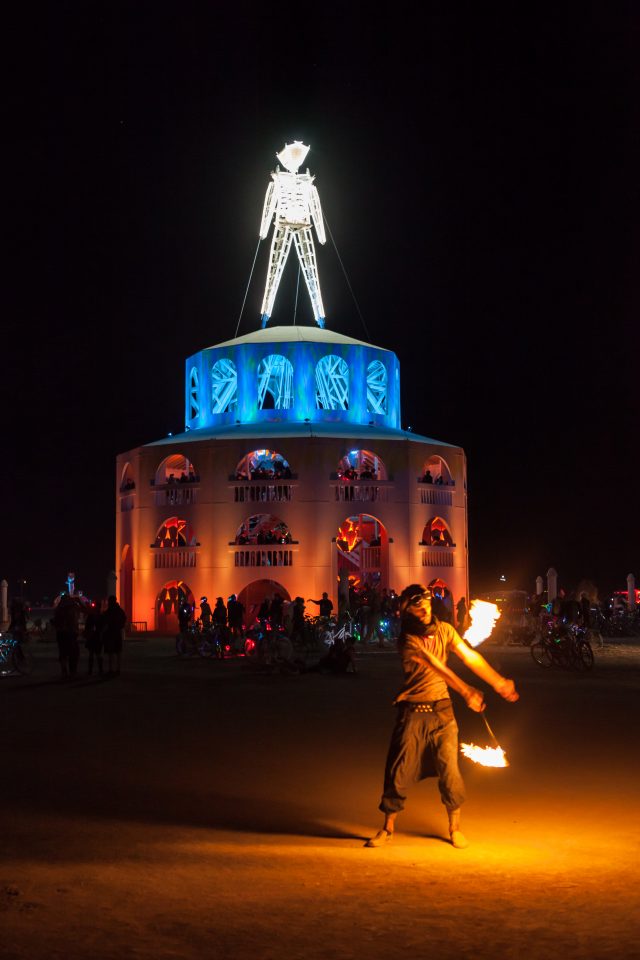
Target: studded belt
(425, 706)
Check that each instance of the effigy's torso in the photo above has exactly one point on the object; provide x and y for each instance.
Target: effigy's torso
(294, 195)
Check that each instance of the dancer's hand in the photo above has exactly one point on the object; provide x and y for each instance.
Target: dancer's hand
(507, 689)
(474, 699)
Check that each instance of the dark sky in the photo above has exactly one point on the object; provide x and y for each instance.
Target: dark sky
(479, 173)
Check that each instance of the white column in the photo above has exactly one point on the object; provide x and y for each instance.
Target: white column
(539, 586)
(552, 584)
(631, 588)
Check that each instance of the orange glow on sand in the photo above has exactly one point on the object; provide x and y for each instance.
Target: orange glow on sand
(485, 756)
(483, 616)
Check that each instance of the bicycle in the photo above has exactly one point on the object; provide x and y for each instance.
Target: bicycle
(564, 646)
(14, 658)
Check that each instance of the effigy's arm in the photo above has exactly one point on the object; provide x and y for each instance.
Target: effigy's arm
(268, 210)
(316, 215)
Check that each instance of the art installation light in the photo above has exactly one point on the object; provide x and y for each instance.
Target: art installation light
(293, 201)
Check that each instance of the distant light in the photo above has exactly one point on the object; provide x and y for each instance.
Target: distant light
(409, 429)
(169, 434)
(503, 579)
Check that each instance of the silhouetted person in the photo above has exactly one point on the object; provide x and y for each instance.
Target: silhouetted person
(235, 613)
(427, 477)
(325, 604)
(276, 612)
(113, 621)
(18, 623)
(66, 620)
(184, 615)
(461, 615)
(205, 613)
(220, 613)
(93, 639)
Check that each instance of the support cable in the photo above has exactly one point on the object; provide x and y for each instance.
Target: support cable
(248, 285)
(347, 278)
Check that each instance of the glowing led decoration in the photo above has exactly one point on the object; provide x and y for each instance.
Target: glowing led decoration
(332, 384)
(362, 465)
(376, 387)
(194, 394)
(275, 383)
(224, 386)
(293, 201)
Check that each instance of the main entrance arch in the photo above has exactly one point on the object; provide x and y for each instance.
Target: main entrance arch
(168, 602)
(363, 551)
(254, 593)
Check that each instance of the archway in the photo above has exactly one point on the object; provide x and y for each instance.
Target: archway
(437, 534)
(361, 465)
(176, 469)
(126, 478)
(174, 533)
(263, 528)
(263, 465)
(168, 602)
(363, 551)
(254, 593)
(126, 581)
(436, 470)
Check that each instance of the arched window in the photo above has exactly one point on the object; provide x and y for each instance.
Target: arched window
(332, 383)
(175, 532)
(361, 465)
(263, 465)
(224, 386)
(194, 394)
(437, 534)
(437, 471)
(263, 528)
(176, 469)
(126, 479)
(376, 387)
(362, 543)
(275, 383)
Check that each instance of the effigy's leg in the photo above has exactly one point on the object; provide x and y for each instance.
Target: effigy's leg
(280, 246)
(307, 257)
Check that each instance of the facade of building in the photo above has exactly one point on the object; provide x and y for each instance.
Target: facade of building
(293, 471)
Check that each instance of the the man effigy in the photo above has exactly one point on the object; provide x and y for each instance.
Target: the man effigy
(293, 201)
(424, 742)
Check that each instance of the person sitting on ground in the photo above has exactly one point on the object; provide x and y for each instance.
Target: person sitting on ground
(325, 604)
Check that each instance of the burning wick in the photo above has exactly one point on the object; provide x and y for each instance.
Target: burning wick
(483, 616)
(485, 756)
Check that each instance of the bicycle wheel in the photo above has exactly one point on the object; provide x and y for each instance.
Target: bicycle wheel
(22, 660)
(205, 647)
(584, 658)
(540, 653)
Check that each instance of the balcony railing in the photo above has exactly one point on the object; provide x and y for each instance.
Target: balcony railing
(362, 491)
(263, 556)
(173, 557)
(177, 494)
(257, 491)
(435, 494)
(438, 557)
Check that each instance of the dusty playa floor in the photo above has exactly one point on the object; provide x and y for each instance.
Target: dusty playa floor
(198, 809)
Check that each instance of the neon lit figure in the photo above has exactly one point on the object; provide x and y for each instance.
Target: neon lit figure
(294, 202)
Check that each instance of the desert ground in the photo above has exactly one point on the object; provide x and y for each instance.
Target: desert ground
(196, 808)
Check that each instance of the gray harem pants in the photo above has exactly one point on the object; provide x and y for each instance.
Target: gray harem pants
(423, 744)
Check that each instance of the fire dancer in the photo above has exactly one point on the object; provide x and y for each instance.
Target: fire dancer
(424, 742)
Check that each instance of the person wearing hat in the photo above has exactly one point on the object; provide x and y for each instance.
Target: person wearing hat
(424, 742)
(205, 614)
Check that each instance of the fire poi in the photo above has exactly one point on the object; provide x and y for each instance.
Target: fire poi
(483, 617)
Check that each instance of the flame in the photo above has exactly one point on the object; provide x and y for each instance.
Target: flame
(483, 617)
(350, 532)
(486, 756)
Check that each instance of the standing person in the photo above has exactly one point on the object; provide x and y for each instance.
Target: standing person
(93, 639)
(325, 604)
(220, 613)
(235, 613)
(66, 622)
(424, 742)
(276, 612)
(297, 620)
(205, 614)
(113, 621)
(461, 615)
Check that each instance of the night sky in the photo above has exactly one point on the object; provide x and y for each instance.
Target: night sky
(479, 174)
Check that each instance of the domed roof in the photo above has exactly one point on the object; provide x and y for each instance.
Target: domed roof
(292, 334)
